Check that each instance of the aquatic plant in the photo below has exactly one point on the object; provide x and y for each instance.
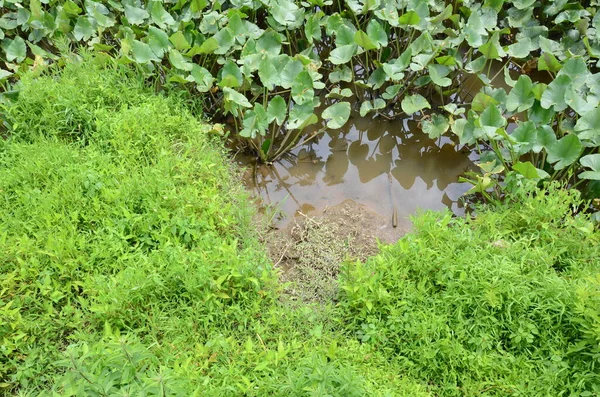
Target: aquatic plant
(279, 66)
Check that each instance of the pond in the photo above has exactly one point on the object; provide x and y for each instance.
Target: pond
(387, 166)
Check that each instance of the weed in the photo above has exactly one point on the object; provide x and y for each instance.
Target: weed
(493, 304)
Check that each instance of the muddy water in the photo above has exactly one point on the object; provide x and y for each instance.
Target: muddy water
(356, 163)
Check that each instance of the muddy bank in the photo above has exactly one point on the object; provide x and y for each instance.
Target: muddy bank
(310, 249)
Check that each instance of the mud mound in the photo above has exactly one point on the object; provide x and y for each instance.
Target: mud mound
(309, 250)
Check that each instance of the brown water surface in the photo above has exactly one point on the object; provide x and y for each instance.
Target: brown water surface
(356, 163)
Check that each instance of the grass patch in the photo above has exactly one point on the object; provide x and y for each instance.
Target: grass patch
(502, 304)
(128, 263)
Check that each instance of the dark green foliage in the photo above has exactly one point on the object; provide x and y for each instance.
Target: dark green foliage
(505, 303)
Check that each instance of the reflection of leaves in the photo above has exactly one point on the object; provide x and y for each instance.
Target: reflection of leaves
(307, 167)
(431, 164)
(388, 143)
(405, 173)
(358, 151)
(335, 168)
(373, 167)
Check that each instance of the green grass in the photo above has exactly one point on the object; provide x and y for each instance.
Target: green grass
(129, 266)
(128, 262)
(506, 303)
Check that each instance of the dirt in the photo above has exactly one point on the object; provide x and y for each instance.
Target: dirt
(311, 249)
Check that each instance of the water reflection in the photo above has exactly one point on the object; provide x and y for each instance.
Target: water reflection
(356, 163)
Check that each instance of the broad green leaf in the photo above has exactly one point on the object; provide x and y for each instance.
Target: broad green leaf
(72, 8)
(554, 95)
(523, 4)
(208, 46)
(225, 39)
(333, 24)
(363, 40)
(446, 60)
(453, 109)
(338, 93)
(474, 30)
(538, 90)
(591, 161)
(142, 53)
(255, 122)
(287, 14)
(100, 13)
(302, 116)
(410, 18)
(277, 110)
(231, 75)
(539, 115)
(525, 136)
(341, 73)
(237, 28)
(490, 121)
(9, 21)
(393, 71)
(420, 62)
(368, 106)
(476, 65)
(337, 114)
(438, 74)
(442, 16)
(414, 103)
(528, 170)
(179, 41)
(159, 15)
(436, 126)
(377, 33)
(203, 78)
(234, 101)
(179, 61)
(492, 49)
(591, 175)
(576, 69)
(508, 80)
(482, 101)
(267, 72)
(83, 29)
(588, 126)
(158, 41)
(16, 50)
(63, 21)
(565, 151)
(378, 78)
(198, 5)
(343, 54)
(135, 15)
(404, 59)
(548, 62)
(4, 74)
(290, 71)
(579, 102)
(521, 97)
(482, 184)
(302, 88)
(521, 49)
(545, 139)
(391, 91)
(312, 28)
(345, 35)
